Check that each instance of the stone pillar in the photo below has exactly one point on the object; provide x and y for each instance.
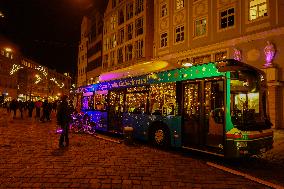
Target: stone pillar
(275, 101)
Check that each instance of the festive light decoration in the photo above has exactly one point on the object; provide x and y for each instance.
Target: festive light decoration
(237, 54)
(135, 70)
(38, 78)
(42, 70)
(269, 52)
(55, 81)
(15, 68)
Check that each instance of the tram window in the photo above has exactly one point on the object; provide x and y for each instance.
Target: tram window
(88, 103)
(136, 102)
(162, 98)
(100, 101)
(245, 99)
(214, 100)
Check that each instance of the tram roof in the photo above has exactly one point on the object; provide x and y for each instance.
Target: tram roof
(211, 69)
(142, 68)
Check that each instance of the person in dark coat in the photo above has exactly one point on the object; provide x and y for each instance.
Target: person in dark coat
(21, 106)
(30, 107)
(63, 118)
(45, 110)
(14, 106)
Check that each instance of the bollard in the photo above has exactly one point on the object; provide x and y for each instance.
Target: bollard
(128, 135)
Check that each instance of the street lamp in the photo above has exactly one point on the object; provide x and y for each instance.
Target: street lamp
(1, 15)
(7, 49)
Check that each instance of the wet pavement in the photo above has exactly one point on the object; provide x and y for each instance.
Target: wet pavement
(30, 158)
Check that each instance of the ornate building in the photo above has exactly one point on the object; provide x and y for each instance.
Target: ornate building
(147, 35)
(199, 31)
(128, 33)
(82, 52)
(23, 78)
(94, 53)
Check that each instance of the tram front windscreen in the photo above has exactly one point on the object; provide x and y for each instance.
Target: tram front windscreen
(248, 100)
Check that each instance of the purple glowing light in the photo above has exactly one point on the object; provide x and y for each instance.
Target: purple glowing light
(269, 52)
(59, 131)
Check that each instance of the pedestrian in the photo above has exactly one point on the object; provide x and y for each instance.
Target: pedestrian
(8, 106)
(30, 108)
(14, 107)
(45, 111)
(63, 118)
(21, 107)
(38, 105)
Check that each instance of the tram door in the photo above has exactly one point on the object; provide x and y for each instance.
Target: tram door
(191, 111)
(214, 113)
(116, 109)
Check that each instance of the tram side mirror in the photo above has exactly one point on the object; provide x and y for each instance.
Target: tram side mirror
(218, 115)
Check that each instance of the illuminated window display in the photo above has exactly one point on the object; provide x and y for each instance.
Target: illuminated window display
(163, 98)
(191, 105)
(136, 99)
(100, 101)
(88, 102)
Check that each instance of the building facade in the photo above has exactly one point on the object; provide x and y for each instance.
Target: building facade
(95, 40)
(25, 79)
(200, 31)
(196, 32)
(128, 33)
(82, 52)
(8, 62)
(38, 81)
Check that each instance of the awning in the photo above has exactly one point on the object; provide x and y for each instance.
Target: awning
(139, 69)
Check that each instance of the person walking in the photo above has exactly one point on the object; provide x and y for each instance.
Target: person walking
(45, 111)
(30, 108)
(14, 106)
(38, 105)
(21, 107)
(63, 118)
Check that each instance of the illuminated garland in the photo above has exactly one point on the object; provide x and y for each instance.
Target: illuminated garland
(42, 70)
(55, 81)
(15, 68)
(38, 79)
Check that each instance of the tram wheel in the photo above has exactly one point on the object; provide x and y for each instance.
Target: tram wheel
(160, 136)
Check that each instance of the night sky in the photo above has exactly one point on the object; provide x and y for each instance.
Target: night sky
(47, 31)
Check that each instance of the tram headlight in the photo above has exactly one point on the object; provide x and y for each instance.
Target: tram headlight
(242, 144)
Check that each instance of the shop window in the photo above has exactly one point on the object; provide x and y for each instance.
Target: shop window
(220, 56)
(201, 59)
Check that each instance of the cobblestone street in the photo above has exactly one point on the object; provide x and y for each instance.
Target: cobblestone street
(30, 158)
